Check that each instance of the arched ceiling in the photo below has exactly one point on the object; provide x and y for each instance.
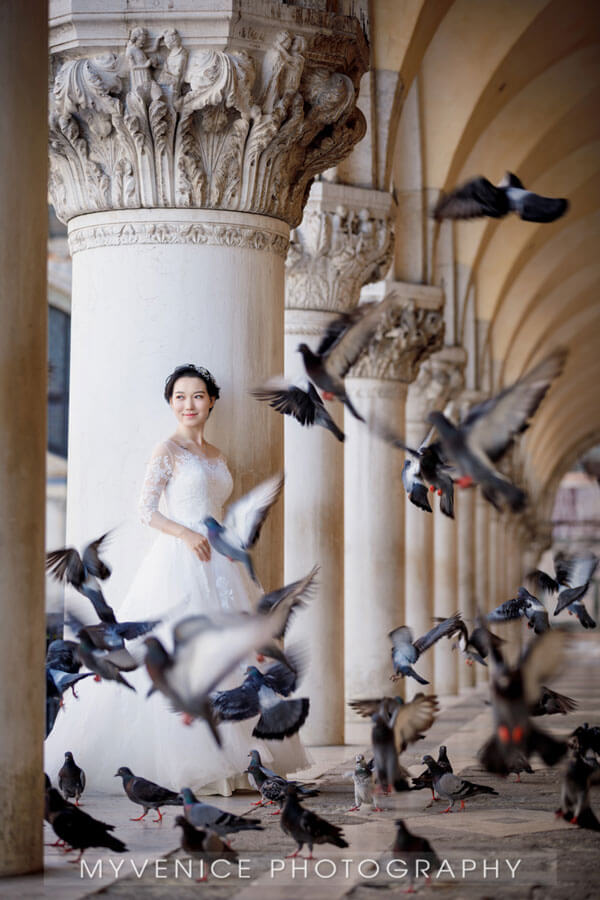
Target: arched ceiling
(505, 85)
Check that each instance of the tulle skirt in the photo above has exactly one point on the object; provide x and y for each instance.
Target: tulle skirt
(110, 726)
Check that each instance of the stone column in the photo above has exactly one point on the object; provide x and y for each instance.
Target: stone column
(374, 496)
(180, 180)
(23, 217)
(480, 550)
(345, 240)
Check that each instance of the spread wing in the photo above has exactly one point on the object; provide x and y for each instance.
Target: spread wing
(366, 708)
(290, 597)
(342, 355)
(444, 629)
(65, 565)
(411, 719)
(477, 197)
(246, 516)
(493, 424)
(577, 570)
(540, 661)
(91, 559)
(290, 399)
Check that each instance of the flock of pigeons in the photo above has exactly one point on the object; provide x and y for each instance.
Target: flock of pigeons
(465, 453)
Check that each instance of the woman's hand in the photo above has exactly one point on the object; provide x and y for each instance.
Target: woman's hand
(198, 544)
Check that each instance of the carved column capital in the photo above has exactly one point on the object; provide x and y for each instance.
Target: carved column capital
(440, 379)
(346, 239)
(238, 108)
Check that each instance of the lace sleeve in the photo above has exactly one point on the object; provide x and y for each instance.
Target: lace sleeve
(158, 472)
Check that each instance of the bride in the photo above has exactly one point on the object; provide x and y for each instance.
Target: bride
(181, 575)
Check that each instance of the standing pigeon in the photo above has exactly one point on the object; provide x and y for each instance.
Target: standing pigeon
(451, 787)
(405, 652)
(514, 689)
(78, 829)
(84, 573)
(550, 703)
(479, 197)
(203, 815)
(243, 523)
(300, 400)
(202, 844)
(264, 693)
(363, 783)
(489, 429)
(425, 779)
(575, 794)
(416, 847)
(71, 779)
(306, 827)
(271, 787)
(344, 340)
(146, 793)
(474, 646)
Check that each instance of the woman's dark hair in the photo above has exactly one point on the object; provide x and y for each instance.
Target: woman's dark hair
(190, 369)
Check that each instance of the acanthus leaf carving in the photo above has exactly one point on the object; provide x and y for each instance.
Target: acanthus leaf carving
(158, 126)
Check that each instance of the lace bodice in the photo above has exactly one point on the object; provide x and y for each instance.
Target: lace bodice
(193, 486)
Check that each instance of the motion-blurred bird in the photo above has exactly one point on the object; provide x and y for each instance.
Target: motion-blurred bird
(405, 652)
(573, 576)
(390, 774)
(147, 794)
(300, 400)
(111, 635)
(203, 844)
(84, 573)
(71, 779)
(408, 720)
(508, 611)
(550, 703)
(413, 848)
(535, 611)
(243, 523)
(575, 794)
(306, 827)
(479, 197)
(489, 429)
(451, 787)
(204, 815)
(474, 646)
(106, 664)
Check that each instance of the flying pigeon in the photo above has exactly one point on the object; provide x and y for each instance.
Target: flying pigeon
(405, 652)
(409, 720)
(306, 827)
(71, 779)
(264, 693)
(513, 691)
(573, 577)
(452, 788)
(489, 429)
(84, 573)
(106, 664)
(415, 847)
(203, 815)
(551, 703)
(78, 829)
(205, 652)
(146, 793)
(344, 340)
(535, 611)
(111, 635)
(362, 776)
(474, 646)
(575, 793)
(479, 197)
(243, 522)
(390, 774)
(298, 399)
(62, 681)
(425, 779)
(291, 597)
(63, 655)
(203, 844)
(508, 611)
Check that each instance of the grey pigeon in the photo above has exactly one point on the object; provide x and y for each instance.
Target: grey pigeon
(203, 815)
(390, 774)
(290, 598)
(203, 844)
(78, 829)
(550, 703)
(451, 787)
(270, 785)
(147, 794)
(111, 635)
(489, 429)
(474, 646)
(409, 720)
(63, 655)
(575, 794)
(300, 400)
(508, 611)
(513, 690)
(573, 576)
(344, 340)
(306, 827)
(425, 779)
(240, 530)
(362, 777)
(71, 779)
(205, 651)
(413, 848)
(106, 664)
(479, 197)
(266, 693)
(84, 573)
(405, 652)
(535, 611)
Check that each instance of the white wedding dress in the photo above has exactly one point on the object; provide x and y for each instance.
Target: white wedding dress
(111, 726)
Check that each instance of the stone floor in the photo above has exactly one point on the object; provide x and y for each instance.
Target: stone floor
(556, 860)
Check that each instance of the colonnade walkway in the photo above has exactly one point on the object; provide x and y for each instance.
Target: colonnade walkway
(514, 832)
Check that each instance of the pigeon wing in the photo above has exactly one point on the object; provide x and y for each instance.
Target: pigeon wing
(351, 343)
(290, 597)
(540, 661)
(238, 703)
(409, 720)
(577, 570)
(477, 197)
(444, 629)
(65, 565)
(289, 399)
(246, 516)
(366, 708)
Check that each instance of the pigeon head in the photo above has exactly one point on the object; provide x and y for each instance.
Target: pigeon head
(212, 525)
(180, 822)
(187, 795)
(359, 758)
(428, 759)
(123, 771)
(255, 756)
(399, 823)
(68, 755)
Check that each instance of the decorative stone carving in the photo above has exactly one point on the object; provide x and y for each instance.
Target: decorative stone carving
(159, 126)
(406, 337)
(440, 378)
(346, 240)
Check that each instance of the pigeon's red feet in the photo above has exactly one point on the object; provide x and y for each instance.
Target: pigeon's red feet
(139, 818)
(187, 719)
(449, 810)
(559, 813)
(375, 809)
(327, 395)
(464, 481)
(439, 493)
(462, 805)
(160, 817)
(518, 778)
(469, 662)
(257, 803)
(276, 813)
(293, 855)
(574, 820)
(73, 690)
(97, 678)
(204, 878)
(58, 843)
(432, 488)
(260, 658)
(409, 890)
(352, 808)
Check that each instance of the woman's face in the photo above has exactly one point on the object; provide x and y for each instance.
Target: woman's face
(190, 401)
